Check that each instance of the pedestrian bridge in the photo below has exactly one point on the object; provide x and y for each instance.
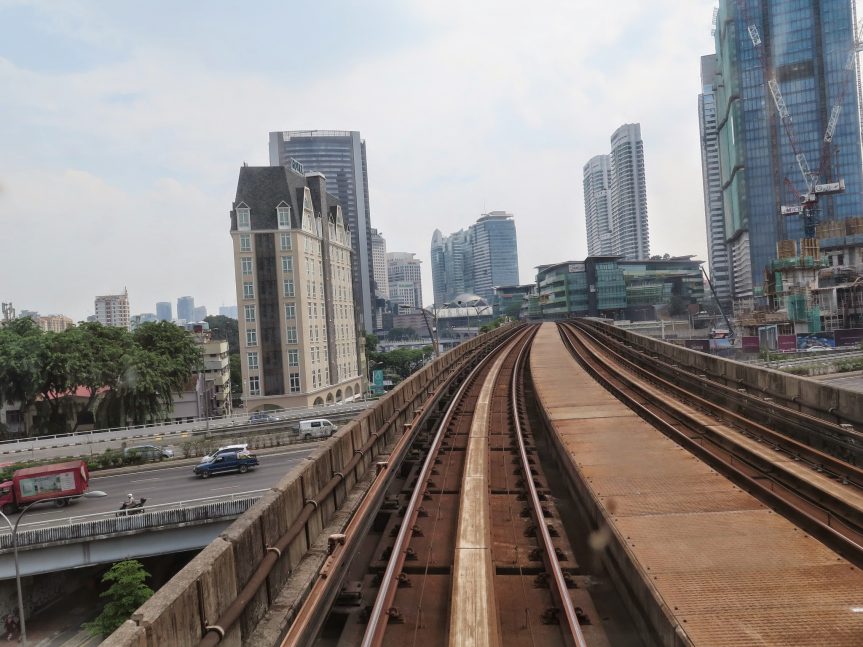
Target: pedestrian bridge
(103, 538)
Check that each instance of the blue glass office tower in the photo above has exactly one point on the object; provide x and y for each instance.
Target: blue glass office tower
(805, 44)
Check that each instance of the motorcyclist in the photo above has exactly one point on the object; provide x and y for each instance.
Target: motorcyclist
(131, 502)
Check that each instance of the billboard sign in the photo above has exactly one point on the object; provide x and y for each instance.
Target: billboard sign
(807, 340)
(787, 342)
(750, 344)
(848, 336)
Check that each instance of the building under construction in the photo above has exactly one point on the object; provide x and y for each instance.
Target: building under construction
(814, 284)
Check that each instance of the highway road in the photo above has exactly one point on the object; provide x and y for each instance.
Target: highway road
(96, 442)
(170, 484)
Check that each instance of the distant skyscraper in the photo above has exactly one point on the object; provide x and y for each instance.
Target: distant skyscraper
(629, 194)
(717, 249)
(163, 311)
(597, 205)
(228, 311)
(200, 313)
(494, 253)
(186, 308)
(341, 157)
(476, 260)
(113, 310)
(379, 263)
(403, 270)
(806, 45)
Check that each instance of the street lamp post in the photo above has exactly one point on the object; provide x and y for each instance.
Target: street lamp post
(92, 494)
(433, 331)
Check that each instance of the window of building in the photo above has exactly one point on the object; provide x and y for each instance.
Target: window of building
(284, 214)
(290, 311)
(314, 380)
(253, 361)
(248, 290)
(287, 264)
(244, 218)
(245, 242)
(254, 385)
(288, 288)
(295, 382)
(293, 357)
(250, 313)
(246, 264)
(291, 335)
(285, 240)
(251, 337)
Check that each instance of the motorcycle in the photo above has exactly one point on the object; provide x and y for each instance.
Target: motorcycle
(135, 507)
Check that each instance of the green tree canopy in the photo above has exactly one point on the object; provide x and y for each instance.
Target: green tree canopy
(136, 373)
(126, 593)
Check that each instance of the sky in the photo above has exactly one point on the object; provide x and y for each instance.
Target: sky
(124, 125)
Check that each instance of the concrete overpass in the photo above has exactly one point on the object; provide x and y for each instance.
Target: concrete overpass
(104, 538)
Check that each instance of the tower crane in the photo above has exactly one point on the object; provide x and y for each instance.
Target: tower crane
(813, 187)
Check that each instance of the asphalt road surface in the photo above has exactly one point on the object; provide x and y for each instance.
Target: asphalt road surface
(168, 484)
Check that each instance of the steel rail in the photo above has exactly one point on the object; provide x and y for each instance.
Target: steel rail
(836, 466)
(805, 421)
(214, 633)
(574, 635)
(309, 618)
(378, 618)
(614, 380)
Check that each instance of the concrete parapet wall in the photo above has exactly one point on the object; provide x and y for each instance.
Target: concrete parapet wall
(180, 611)
(831, 403)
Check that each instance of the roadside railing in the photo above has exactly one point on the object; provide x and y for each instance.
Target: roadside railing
(196, 427)
(115, 521)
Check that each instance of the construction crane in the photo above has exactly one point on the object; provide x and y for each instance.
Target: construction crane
(813, 187)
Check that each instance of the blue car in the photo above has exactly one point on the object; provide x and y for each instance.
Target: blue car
(233, 462)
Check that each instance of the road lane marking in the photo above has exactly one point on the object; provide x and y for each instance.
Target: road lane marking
(158, 478)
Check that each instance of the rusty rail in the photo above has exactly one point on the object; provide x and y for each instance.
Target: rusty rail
(552, 563)
(377, 623)
(792, 504)
(216, 632)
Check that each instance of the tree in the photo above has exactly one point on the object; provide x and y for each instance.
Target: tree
(23, 355)
(160, 363)
(126, 593)
(96, 358)
(236, 377)
(371, 341)
(402, 333)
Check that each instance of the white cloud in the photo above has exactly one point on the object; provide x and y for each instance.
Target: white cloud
(497, 107)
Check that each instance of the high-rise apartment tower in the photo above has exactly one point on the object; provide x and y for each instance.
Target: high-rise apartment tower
(597, 205)
(629, 194)
(379, 264)
(292, 260)
(404, 273)
(113, 310)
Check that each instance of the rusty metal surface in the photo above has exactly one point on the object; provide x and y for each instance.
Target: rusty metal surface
(703, 544)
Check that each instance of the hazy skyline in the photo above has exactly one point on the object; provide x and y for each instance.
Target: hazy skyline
(124, 130)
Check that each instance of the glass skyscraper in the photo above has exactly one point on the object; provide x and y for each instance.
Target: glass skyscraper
(477, 260)
(717, 247)
(805, 46)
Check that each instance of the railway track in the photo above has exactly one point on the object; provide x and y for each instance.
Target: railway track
(467, 547)
(820, 493)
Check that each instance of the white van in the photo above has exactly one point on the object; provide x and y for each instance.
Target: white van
(316, 428)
